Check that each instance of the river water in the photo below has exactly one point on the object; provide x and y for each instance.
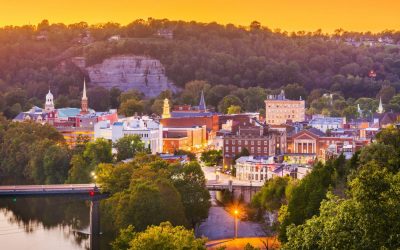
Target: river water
(44, 223)
(62, 222)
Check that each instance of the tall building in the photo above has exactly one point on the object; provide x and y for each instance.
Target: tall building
(166, 109)
(49, 104)
(279, 110)
(84, 101)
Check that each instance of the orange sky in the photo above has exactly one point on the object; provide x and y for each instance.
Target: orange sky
(359, 15)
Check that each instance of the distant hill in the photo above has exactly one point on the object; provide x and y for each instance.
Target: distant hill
(36, 57)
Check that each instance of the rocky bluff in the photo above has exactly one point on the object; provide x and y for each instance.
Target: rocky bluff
(127, 72)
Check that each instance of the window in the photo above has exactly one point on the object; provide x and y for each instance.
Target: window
(240, 149)
(227, 149)
(252, 142)
(259, 150)
(246, 142)
(252, 150)
(265, 142)
(233, 149)
(258, 143)
(233, 142)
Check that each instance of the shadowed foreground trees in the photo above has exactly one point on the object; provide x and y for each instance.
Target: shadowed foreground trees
(148, 191)
(161, 237)
(368, 219)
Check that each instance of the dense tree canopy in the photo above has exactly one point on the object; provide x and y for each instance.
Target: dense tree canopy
(219, 59)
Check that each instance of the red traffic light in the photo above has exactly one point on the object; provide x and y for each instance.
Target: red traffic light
(91, 193)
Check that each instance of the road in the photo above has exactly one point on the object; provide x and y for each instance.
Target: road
(239, 244)
(220, 224)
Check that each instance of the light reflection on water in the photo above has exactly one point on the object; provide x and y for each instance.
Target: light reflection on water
(44, 223)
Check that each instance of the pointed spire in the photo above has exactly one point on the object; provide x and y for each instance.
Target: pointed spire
(380, 108)
(84, 90)
(359, 111)
(202, 104)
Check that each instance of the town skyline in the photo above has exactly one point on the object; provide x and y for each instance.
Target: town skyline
(361, 16)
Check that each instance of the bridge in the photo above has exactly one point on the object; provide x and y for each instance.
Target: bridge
(88, 191)
(60, 189)
(244, 190)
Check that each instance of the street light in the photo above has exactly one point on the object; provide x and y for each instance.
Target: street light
(235, 225)
(94, 176)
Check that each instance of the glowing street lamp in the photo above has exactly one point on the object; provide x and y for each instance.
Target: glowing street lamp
(235, 228)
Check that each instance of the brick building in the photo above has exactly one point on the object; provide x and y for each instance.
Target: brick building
(258, 140)
(314, 143)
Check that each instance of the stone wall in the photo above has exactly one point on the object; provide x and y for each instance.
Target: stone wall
(131, 72)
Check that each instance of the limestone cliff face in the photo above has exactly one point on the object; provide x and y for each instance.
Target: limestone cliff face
(131, 72)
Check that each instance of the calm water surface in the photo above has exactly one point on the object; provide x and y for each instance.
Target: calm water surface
(46, 223)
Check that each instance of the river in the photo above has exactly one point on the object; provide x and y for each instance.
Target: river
(62, 222)
(45, 223)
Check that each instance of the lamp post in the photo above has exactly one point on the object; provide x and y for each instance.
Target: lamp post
(235, 225)
(94, 176)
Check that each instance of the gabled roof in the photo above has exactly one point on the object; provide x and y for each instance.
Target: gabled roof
(311, 132)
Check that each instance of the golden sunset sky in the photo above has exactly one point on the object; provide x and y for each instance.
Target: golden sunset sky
(290, 15)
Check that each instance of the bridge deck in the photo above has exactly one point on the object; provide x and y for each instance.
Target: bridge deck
(48, 189)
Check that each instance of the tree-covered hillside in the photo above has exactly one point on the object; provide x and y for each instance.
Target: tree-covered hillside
(34, 57)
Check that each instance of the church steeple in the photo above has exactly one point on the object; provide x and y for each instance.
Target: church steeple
(84, 101)
(380, 108)
(84, 90)
(202, 104)
(49, 104)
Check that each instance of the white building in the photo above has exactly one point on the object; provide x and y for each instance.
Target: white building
(250, 168)
(327, 123)
(150, 131)
(260, 169)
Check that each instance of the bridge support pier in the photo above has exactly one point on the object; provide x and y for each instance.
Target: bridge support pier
(94, 224)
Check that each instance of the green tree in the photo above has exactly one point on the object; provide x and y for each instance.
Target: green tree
(127, 146)
(115, 97)
(233, 109)
(99, 98)
(295, 91)
(227, 101)
(144, 203)
(162, 237)
(131, 107)
(368, 219)
(305, 199)
(211, 157)
(191, 184)
(114, 178)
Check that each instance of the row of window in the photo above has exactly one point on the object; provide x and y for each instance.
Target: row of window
(246, 142)
(286, 106)
(259, 149)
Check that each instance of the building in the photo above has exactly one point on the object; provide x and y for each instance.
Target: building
(73, 123)
(186, 117)
(257, 140)
(327, 123)
(311, 144)
(149, 131)
(279, 110)
(260, 169)
(193, 139)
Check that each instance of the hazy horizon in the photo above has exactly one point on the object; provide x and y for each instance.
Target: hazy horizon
(309, 15)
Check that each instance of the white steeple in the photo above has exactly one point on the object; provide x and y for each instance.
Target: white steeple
(84, 97)
(359, 110)
(49, 104)
(380, 108)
